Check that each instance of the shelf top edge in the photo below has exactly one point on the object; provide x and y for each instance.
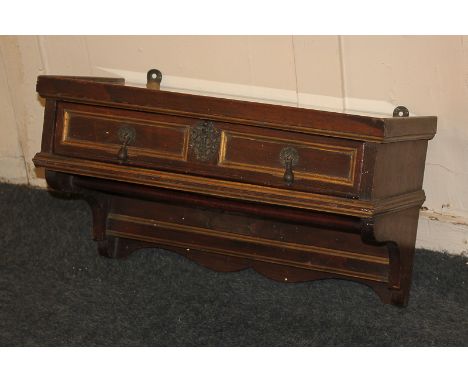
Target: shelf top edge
(114, 93)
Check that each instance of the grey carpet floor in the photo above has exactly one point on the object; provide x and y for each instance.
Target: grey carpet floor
(56, 291)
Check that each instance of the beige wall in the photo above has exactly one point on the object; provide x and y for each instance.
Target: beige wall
(367, 75)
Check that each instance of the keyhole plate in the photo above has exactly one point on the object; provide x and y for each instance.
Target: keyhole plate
(204, 141)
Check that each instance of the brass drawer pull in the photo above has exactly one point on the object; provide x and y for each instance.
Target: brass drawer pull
(127, 136)
(289, 158)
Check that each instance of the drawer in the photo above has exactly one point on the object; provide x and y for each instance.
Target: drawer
(322, 164)
(92, 132)
(231, 151)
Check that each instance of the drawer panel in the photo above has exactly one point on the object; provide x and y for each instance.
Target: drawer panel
(212, 149)
(317, 162)
(93, 132)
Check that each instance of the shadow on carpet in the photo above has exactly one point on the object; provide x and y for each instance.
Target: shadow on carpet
(56, 291)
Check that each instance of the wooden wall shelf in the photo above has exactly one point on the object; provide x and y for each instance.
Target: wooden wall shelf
(296, 194)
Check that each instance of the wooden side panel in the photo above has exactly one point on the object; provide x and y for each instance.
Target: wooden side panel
(50, 114)
(398, 168)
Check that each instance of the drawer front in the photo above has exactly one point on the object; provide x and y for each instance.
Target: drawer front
(238, 152)
(97, 133)
(319, 163)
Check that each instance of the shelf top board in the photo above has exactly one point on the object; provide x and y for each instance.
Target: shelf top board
(113, 92)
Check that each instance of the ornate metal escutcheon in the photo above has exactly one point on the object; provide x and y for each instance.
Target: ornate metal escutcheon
(289, 157)
(204, 141)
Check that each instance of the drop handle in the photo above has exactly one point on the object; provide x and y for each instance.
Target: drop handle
(289, 157)
(126, 136)
(122, 155)
(288, 173)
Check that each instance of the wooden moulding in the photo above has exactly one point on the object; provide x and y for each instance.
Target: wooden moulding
(231, 190)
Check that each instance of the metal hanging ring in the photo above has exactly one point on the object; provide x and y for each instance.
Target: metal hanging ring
(401, 111)
(153, 79)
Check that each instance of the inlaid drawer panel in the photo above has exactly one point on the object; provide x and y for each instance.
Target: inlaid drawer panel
(91, 132)
(318, 160)
(231, 151)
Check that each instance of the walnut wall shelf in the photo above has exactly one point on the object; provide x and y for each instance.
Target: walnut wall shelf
(296, 194)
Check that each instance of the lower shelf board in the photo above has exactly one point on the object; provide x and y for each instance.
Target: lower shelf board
(226, 240)
(189, 238)
(121, 248)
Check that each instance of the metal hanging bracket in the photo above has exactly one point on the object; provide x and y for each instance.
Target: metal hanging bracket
(153, 79)
(401, 111)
